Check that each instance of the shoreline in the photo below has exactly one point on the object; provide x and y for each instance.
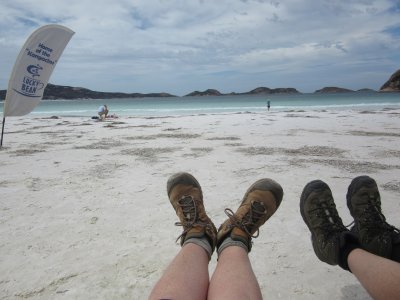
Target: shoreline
(212, 105)
(85, 212)
(300, 109)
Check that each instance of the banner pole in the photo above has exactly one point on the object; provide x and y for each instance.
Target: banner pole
(2, 131)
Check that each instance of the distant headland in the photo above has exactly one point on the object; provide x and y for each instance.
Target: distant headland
(53, 92)
(256, 91)
(393, 84)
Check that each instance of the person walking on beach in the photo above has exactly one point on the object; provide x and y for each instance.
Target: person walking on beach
(103, 112)
(268, 104)
(370, 250)
(187, 275)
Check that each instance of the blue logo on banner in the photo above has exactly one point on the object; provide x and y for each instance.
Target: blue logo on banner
(30, 85)
(34, 70)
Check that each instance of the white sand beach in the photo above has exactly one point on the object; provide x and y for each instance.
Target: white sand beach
(85, 213)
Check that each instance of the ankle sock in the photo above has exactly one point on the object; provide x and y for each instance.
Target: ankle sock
(202, 242)
(231, 242)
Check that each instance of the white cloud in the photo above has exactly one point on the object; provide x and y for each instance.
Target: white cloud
(176, 45)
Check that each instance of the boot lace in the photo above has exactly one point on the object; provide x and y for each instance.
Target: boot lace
(332, 223)
(373, 218)
(248, 222)
(190, 214)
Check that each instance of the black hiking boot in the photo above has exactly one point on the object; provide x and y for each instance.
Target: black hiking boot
(331, 240)
(364, 203)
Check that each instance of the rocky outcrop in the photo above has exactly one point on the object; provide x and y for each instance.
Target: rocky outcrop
(265, 90)
(332, 89)
(365, 90)
(53, 92)
(67, 92)
(209, 92)
(256, 91)
(393, 84)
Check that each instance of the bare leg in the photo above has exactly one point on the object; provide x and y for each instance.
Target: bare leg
(379, 276)
(233, 277)
(186, 277)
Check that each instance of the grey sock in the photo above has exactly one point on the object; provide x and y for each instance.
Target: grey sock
(202, 242)
(230, 242)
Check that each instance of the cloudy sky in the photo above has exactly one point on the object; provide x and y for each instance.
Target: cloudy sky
(179, 46)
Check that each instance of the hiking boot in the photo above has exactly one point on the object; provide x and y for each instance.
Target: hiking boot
(186, 197)
(331, 240)
(364, 203)
(259, 203)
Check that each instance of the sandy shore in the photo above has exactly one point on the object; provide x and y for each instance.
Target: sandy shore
(85, 215)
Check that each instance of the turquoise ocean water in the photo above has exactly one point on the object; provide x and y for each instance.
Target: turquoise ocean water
(217, 104)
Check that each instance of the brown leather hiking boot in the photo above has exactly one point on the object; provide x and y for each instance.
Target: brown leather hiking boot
(186, 197)
(259, 203)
